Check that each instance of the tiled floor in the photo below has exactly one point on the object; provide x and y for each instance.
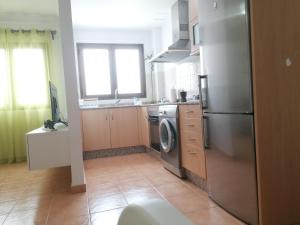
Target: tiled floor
(43, 197)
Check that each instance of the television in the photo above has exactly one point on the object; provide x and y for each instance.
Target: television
(54, 103)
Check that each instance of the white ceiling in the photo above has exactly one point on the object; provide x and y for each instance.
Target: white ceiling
(124, 14)
(136, 14)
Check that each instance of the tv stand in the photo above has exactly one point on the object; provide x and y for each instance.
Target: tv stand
(47, 148)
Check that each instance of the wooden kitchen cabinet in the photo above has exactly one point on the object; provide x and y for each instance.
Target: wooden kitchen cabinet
(124, 130)
(110, 128)
(95, 129)
(192, 150)
(276, 80)
(144, 127)
(194, 29)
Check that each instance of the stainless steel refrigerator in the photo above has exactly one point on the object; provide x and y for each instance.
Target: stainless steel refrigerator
(226, 92)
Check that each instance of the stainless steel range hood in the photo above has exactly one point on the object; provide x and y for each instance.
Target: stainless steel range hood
(180, 48)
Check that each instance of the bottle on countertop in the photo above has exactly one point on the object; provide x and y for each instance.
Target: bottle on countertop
(173, 95)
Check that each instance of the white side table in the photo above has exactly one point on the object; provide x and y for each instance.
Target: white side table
(47, 149)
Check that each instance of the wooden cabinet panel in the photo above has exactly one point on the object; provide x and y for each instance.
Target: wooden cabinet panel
(193, 156)
(95, 129)
(124, 129)
(275, 39)
(144, 127)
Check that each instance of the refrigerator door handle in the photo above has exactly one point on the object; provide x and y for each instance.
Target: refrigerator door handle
(203, 91)
(205, 133)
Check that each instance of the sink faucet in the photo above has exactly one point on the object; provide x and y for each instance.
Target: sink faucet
(116, 97)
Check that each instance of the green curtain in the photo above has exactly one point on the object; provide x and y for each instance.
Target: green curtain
(25, 69)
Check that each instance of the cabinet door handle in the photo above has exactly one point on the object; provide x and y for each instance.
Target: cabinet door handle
(112, 117)
(192, 139)
(203, 85)
(205, 132)
(191, 111)
(191, 125)
(106, 117)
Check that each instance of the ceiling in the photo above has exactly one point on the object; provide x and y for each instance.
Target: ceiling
(142, 14)
(120, 14)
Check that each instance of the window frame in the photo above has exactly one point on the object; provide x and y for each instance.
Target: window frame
(112, 65)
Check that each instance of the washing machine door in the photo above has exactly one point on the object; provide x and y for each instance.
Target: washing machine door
(166, 136)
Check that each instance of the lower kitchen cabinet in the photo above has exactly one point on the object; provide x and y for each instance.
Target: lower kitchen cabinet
(192, 150)
(95, 129)
(110, 128)
(124, 129)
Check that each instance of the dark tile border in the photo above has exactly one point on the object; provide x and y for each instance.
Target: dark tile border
(198, 181)
(153, 153)
(113, 152)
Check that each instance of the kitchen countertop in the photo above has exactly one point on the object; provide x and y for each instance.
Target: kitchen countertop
(110, 106)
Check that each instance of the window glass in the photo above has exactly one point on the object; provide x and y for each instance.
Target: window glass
(97, 71)
(128, 71)
(3, 78)
(30, 76)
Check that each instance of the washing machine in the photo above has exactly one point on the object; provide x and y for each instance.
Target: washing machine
(170, 139)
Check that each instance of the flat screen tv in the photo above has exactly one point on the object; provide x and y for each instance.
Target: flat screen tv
(54, 103)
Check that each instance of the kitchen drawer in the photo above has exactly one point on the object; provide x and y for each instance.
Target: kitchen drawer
(191, 125)
(190, 111)
(194, 161)
(191, 136)
(192, 147)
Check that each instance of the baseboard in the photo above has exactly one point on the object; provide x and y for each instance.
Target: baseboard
(113, 152)
(195, 179)
(153, 152)
(78, 189)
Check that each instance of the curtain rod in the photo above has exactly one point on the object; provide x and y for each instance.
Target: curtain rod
(53, 32)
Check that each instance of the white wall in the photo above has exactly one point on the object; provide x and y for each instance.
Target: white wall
(68, 53)
(120, 37)
(30, 21)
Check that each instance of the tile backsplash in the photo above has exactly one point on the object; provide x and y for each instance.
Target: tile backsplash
(187, 77)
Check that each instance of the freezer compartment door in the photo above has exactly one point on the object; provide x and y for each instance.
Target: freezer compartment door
(231, 166)
(225, 56)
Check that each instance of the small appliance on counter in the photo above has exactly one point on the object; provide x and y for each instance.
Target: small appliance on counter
(173, 95)
(183, 95)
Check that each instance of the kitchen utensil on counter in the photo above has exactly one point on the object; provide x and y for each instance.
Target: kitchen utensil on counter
(183, 95)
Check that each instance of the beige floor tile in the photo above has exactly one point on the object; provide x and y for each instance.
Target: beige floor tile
(102, 190)
(2, 217)
(34, 202)
(28, 217)
(212, 216)
(10, 195)
(174, 189)
(107, 203)
(76, 220)
(139, 196)
(6, 207)
(110, 217)
(69, 205)
(190, 202)
(135, 185)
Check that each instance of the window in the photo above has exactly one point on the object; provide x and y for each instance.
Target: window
(28, 77)
(3, 78)
(105, 68)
